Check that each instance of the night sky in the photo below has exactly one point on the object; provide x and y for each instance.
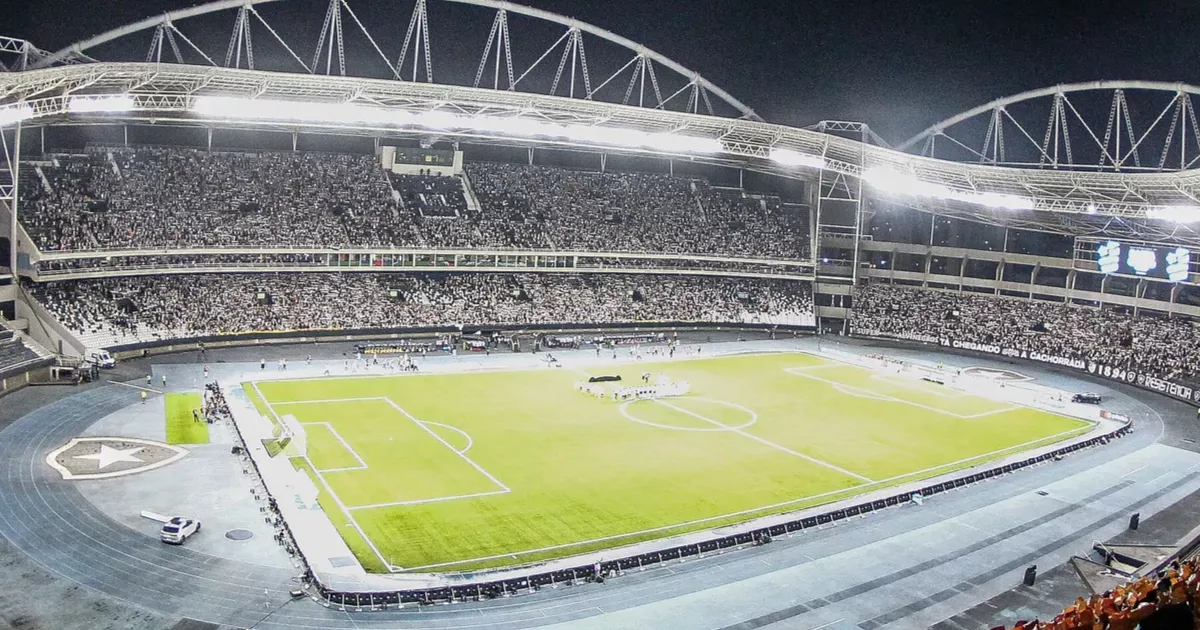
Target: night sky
(899, 66)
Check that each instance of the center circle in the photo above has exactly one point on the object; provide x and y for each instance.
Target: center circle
(753, 417)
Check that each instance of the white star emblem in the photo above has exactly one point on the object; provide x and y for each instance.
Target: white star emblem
(109, 456)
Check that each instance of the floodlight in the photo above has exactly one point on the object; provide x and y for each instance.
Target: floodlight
(1178, 214)
(788, 157)
(899, 183)
(349, 113)
(90, 104)
(896, 182)
(996, 200)
(15, 113)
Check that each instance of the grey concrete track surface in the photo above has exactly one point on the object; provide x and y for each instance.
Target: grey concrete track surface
(50, 521)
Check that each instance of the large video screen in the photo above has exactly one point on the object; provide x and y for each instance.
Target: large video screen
(424, 157)
(1166, 263)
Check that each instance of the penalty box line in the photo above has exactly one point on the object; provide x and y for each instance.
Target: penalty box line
(461, 454)
(765, 442)
(349, 511)
(504, 489)
(362, 465)
(904, 381)
(889, 398)
(336, 499)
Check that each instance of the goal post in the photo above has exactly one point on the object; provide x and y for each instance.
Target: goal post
(296, 439)
(292, 440)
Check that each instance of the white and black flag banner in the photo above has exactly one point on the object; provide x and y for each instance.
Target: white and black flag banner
(1133, 377)
(1146, 381)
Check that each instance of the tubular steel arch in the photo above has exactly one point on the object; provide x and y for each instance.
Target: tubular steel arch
(637, 80)
(1113, 126)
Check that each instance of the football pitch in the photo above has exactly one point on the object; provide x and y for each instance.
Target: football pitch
(460, 472)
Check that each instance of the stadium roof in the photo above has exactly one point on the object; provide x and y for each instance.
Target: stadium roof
(994, 187)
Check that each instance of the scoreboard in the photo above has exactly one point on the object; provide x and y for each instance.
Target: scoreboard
(1166, 263)
(424, 157)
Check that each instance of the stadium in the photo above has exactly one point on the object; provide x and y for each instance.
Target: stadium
(295, 335)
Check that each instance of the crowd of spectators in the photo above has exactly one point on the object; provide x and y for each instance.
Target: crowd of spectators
(732, 266)
(216, 408)
(1167, 599)
(173, 197)
(50, 267)
(548, 207)
(183, 261)
(114, 311)
(1155, 345)
(430, 195)
(153, 197)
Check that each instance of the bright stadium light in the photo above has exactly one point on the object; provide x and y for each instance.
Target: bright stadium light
(895, 182)
(788, 157)
(348, 113)
(1178, 214)
(995, 200)
(91, 104)
(15, 113)
(898, 183)
(232, 107)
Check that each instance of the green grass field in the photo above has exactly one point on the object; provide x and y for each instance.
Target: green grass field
(181, 426)
(459, 472)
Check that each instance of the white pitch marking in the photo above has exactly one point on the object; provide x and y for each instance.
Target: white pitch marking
(722, 428)
(765, 508)
(825, 366)
(447, 444)
(993, 412)
(361, 464)
(346, 510)
(859, 392)
(328, 488)
(457, 430)
(329, 400)
(434, 500)
(877, 396)
(778, 447)
(904, 381)
(761, 509)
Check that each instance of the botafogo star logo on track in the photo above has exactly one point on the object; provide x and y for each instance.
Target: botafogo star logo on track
(107, 457)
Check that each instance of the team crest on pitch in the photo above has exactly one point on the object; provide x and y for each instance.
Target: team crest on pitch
(996, 374)
(107, 457)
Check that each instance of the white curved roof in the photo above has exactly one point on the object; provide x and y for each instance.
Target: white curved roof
(169, 91)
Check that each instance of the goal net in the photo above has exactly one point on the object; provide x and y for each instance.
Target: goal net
(292, 440)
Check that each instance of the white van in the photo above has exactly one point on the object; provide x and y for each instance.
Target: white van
(100, 357)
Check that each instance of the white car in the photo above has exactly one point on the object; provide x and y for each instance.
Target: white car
(179, 529)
